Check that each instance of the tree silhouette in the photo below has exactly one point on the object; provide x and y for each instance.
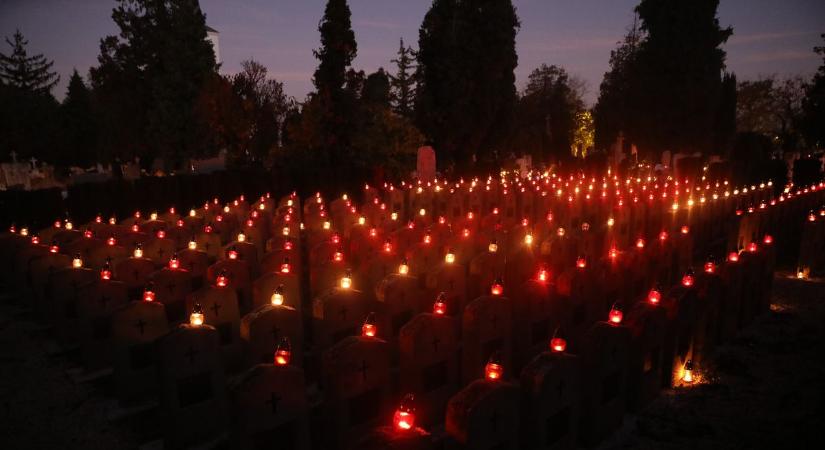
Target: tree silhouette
(24, 72)
(466, 94)
(403, 82)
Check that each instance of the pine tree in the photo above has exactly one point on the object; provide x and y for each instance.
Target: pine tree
(466, 95)
(77, 124)
(678, 76)
(336, 104)
(28, 73)
(402, 84)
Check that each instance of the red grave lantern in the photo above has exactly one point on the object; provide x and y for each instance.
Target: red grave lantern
(404, 417)
(283, 352)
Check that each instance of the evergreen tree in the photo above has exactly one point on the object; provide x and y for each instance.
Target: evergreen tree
(335, 103)
(612, 107)
(678, 76)
(28, 111)
(78, 125)
(466, 94)
(24, 72)
(267, 105)
(151, 76)
(403, 82)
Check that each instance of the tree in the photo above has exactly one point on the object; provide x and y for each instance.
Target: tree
(403, 82)
(548, 115)
(28, 111)
(376, 90)
(78, 125)
(612, 108)
(677, 76)
(466, 95)
(813, 106)
(335, 104)
(755, 106)
(267, 105)
(772, 108)
(163, 58)
(27, 73)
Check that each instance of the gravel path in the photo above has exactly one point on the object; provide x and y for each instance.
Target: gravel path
(766, 389)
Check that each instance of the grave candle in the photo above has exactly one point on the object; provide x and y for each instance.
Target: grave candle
(192, 244)
(557, 342)
(687, 279)
(497, 288)
(285, 266)
(346, 280)
(494, 370)
(148, 294)
(615, 316)
(232, 253)
(710, 267)
(733, 257)
(241, 237)
(283, 352)
(654, 296)
(688, 372)
(403, 268)
(368, 329)
(77, 262)
(222, 280)
(196, 318)
(138, 253)
(106, 272)
(440, 305)
(111, 241)
(768, 239)
(277, 298)
(35, 239)
(54, 248)
(449, 258)
(404, 417)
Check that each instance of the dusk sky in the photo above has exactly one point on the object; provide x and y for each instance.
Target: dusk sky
(770, 36)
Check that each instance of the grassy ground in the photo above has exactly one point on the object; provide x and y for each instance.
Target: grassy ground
(766, 389)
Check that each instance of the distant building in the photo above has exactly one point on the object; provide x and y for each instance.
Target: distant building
(212, 35)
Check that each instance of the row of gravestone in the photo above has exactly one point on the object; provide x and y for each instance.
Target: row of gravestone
(617, 364)
(34, 268)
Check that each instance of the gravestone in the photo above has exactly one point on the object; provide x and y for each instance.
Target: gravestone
(485, 415)
(96, 305)
(270, 409)
(604, 357)
(264, 327)
(550, 401)
(191, 382)
(428, 363)
(486, 327)
(171, 287)
(356, 378)
(135, 327)
(647, 323)
(221, 311)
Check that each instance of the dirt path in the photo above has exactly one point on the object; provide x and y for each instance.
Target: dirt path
(766, 389)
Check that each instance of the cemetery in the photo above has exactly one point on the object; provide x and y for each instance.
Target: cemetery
(412, 225)
(522, 310)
